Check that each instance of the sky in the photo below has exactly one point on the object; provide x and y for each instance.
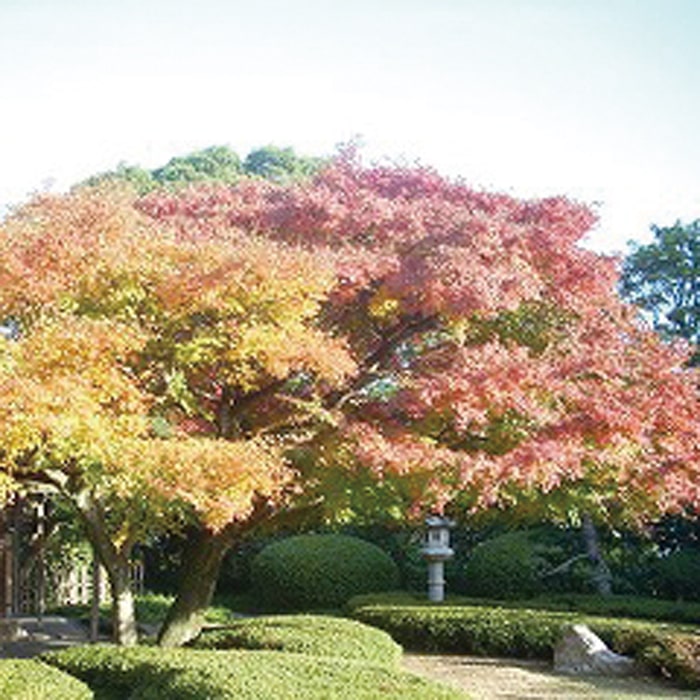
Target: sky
(597, 100)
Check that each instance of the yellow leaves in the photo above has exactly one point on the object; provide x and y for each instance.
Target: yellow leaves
(218, 478)
(65, 390)
(277, 350)
(7, 487)
(383, 306)
(246, 279)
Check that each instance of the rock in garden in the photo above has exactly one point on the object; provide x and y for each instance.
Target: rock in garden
(581, 651)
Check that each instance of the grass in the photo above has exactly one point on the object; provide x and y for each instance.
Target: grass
(151, 609)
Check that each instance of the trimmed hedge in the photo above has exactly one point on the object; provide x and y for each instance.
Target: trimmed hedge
(668, 649)
(150, 673)
(306, 634)
(621, 606)
(320, 572)
(639, 607)
(27, 679)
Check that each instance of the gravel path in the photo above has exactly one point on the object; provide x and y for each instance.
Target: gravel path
(512, 679)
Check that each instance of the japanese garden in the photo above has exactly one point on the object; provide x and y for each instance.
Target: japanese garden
(253, 379)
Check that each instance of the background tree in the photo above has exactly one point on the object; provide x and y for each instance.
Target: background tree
(663, 278)
(218, 164)
(280, 164)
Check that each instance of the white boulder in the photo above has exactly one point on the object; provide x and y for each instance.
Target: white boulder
(581, 651)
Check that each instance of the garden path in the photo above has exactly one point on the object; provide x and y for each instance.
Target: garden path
(44, 634)
(515, 679)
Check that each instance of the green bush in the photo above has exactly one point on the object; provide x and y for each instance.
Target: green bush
(464, 629)
(320, 572)
(500, 630)
(26, 679)
(622, 606)
(306, 634)
(605, 606)
(677, 575)
(672, 654)
(507, 566)
(150, 673)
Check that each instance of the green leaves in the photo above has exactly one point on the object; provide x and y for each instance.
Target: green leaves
(663, 278)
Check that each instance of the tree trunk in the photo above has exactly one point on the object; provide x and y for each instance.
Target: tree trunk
(124, 630)
(116, 561)
(202, 559)
(602, 578)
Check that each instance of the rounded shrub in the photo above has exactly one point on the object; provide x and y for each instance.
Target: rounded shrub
(505, 567)
(306, 634)
(152, 673)
(27, 679)
(320, 571)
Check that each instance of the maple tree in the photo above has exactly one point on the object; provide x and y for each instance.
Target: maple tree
(370, 333)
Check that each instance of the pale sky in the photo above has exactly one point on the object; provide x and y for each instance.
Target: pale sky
(598, 100)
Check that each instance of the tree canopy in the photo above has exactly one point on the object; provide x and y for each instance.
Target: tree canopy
(218, 164)
(663, 278)
(367, 337)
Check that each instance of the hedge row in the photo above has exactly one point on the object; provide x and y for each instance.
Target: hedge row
(618, 606)
(306, 634)
(26, 679)
(670, 650)
(149, 673)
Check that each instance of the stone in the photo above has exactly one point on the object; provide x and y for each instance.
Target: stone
(581, 651)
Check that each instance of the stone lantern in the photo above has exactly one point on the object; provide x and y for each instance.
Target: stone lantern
(436, 551)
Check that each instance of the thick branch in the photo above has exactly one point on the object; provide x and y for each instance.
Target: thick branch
(565, 566)
(379, 357)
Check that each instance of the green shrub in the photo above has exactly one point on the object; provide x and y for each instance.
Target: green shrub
(622, 606)
(672, 654)
(502, 630)
(320, 571)
(463, 629)
(606, 606)
(677, 575)
(306, 634)
(150, 673)
(507, 566)
(26, 679)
